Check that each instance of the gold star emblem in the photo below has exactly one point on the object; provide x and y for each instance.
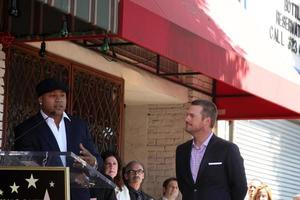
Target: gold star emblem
(14, 188)
(31, 181)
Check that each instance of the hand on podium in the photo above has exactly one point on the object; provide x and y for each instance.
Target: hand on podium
(81, 179)
(87, 156)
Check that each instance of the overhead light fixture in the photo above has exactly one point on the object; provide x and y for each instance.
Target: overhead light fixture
(64, 30)
(42, 51)
(13, 8)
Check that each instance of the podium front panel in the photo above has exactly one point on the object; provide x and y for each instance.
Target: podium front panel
(24, 182)
(81, 174)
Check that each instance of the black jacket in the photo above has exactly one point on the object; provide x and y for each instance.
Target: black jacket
(221, 175)
(135, 194)
(39, 137)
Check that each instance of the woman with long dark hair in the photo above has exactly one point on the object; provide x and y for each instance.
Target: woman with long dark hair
(112, 167)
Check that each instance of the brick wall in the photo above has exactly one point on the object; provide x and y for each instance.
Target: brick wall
(152, 133)
(165, 132)
(2, 71)
(135, 137)
(200, 81)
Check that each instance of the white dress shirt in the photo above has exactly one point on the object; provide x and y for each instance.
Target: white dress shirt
(58, 132)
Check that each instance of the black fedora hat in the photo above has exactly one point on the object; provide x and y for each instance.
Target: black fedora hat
(50, 84)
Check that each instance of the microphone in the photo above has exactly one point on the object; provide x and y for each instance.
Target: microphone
(33, 127)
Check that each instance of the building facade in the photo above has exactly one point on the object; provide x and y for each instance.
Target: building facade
(227, 58)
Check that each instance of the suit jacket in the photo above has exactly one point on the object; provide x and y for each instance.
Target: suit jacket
(135, 193)
(221, 174)
(39, 137)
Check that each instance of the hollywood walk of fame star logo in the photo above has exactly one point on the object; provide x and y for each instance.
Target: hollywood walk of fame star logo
(14, 188)
(31, 181)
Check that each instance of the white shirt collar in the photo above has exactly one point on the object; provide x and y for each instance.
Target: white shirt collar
(45, 116)
(205, 143)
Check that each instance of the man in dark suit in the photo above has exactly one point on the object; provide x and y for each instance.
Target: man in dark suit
(52, 129)
(208, 167)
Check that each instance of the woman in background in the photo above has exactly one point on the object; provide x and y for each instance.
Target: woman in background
(112, 167)
(263, 192)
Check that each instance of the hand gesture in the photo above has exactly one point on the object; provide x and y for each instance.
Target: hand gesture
(87, 156)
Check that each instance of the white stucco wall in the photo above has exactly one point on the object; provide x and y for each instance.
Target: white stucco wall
(141, 87)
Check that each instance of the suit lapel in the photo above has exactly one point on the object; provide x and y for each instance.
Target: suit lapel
(48, 136)
(68, 133)
(205, 158)
(187, 166)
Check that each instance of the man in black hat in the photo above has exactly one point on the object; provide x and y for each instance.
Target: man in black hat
(51, 129)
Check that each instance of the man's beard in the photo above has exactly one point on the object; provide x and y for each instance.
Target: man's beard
(135, 179)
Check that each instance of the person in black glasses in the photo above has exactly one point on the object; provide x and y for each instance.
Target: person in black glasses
(134, 175)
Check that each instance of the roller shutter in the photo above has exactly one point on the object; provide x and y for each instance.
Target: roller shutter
(271, 151)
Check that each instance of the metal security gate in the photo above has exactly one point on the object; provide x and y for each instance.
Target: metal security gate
(95, 96)
(271, 151)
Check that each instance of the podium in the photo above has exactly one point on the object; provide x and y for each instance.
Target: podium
(46, 175)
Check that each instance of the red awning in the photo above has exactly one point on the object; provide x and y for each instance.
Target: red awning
(183, 32)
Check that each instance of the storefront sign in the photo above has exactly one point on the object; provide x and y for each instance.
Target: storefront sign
(286, 31)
